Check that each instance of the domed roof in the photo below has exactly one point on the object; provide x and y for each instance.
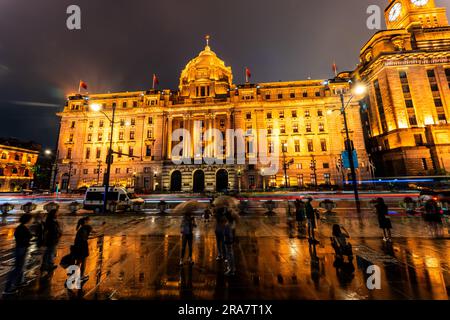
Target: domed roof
(204, 68)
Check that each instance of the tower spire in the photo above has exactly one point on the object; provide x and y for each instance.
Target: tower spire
(207, 37)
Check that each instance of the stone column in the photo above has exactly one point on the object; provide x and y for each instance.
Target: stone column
(169, 138)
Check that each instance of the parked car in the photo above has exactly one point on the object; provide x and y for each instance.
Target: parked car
(122, 198)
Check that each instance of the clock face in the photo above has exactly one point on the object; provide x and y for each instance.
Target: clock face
(395, 11)
(419, 3)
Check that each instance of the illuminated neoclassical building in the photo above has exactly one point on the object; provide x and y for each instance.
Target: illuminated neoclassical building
(408, 69)
(302, 115)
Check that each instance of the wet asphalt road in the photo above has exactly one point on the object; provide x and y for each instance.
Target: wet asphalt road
(137, 258)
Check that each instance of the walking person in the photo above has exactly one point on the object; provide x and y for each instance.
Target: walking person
(383, 220)
(229, 235)
(220, 232)
(22, 237)
(52, 235)
(207, 214)
(300, 215)
(80, 248)
(311, 218)
(187, 236)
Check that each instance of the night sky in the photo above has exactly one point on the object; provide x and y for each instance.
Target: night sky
(123, 42)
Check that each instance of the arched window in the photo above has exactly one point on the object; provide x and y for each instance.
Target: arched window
(26, 173)
(2, 172)
(14, 170)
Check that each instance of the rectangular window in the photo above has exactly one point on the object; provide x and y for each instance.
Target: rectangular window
(326, 165)
(412, 120)
(101, 124)
(267, 97)
(135, 104)
(326, 178)
(98, 153)
(282, 129)
(307, 114)
(292, 95)
(269, 129)
(297, 145)
(148, 151)
(269, 115)
(69, 153)
(89, 137)
(149, 134)
(121, 135)
(321, 127)
(284, 146)
(310, 145)
(88, 153)
(281, 114)
(85, 171)
(323, 144)
(119, 151)
(72, 125)
(313, 179)
(150, 120)
(91, 124)
(294, 113)
(418, 139)
(424, 164)
(442, 118)
(402, 75)
(117, 170)
(248, 116)
(380, 105)
(133, 122)
(71, 137)
(438, 102)
(308, 127)
(100, 137)
(130, 151)
(409, 103)
(122, 122)
(319, 113)
(280, 96)
(131, 135)
(305, 94)
(295, 128)
(124, 104)
(317, 93)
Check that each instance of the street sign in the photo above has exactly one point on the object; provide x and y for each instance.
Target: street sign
(346, 160)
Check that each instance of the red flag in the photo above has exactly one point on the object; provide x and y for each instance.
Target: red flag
(155, 81)
(248, 74)
(82, 85)
(334, 67)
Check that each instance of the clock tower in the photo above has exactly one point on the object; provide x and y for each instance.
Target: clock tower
(404, 14)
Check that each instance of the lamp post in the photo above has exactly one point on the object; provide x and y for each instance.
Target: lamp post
(49, 152)
(98, 108)
(239, 180)
(263, 179)
(70, 175)
(286, 164)
(99, 164)
(358, 90)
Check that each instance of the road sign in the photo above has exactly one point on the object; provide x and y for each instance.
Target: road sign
(346, 160)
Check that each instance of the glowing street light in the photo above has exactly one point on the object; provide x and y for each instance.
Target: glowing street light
(96, 107)
(359, 90)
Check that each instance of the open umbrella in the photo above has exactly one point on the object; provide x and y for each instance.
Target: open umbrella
(189, 207)
(226, 202)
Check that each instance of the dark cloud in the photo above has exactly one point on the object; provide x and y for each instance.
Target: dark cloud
(123, 42)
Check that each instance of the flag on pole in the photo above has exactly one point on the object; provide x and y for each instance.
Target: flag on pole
(82, 85)
(335, 70)
(155, 81)
(248, 74)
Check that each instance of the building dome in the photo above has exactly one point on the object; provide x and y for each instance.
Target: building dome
(205, 76)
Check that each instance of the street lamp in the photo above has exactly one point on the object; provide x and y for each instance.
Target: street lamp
(96, 107)
(49, 152)
(359, 89)
(286, 164)
(263, 179)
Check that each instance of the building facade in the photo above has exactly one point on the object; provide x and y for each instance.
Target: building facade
(17, 160)
(302, 117)
(407, 68)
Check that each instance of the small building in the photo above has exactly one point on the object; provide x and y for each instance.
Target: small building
(17, 159)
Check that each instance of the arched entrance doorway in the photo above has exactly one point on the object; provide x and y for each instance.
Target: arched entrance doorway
(175, 181)
(199, 181)
(221, 180)
(64, 182)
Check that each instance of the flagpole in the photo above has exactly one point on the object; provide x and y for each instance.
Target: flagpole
(79, 87)
(246, 75)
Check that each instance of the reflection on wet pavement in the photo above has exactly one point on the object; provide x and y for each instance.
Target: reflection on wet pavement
(137, 258)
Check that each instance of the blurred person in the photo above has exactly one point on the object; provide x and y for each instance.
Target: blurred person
(80, 248)
(187, 235)
(311, 218)
(52, 235)
(300, 215)
(219, 216)
(383, 220)
(229, 250)
(22, 236)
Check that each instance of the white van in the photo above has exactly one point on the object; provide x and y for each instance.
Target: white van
(125, 198)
